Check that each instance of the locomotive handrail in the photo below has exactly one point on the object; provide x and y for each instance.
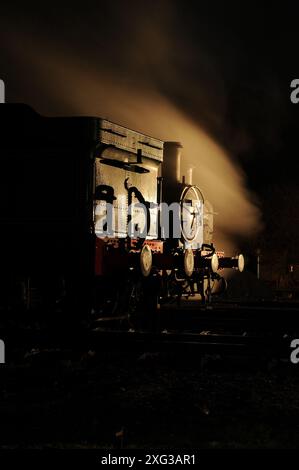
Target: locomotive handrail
(133, 190)
(128, 166)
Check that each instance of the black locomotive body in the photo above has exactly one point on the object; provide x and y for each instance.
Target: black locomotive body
(85, 220)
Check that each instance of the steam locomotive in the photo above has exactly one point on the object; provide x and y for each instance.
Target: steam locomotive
(96, 219)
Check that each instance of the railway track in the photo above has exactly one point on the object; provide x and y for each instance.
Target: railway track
(256, 317)
(204, 342)
(229, 329)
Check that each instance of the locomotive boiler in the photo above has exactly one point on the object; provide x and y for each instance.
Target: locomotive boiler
(97, 218)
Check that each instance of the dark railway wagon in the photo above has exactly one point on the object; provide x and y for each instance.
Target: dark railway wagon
(46, 205)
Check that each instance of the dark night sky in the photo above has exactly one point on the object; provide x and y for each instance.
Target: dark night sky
(243, 57)
(227, 66)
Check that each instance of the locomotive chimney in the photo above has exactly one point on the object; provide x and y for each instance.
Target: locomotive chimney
(190, 175)
(172, 162)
